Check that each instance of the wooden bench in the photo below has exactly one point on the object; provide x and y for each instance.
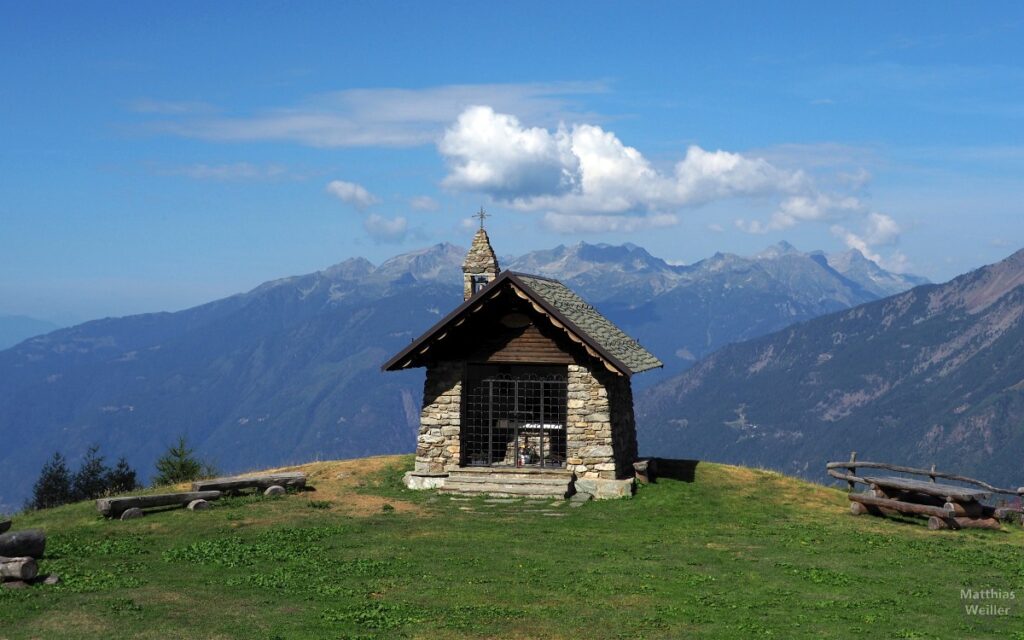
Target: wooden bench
(286, 479)
(947, 506)
(115, 507)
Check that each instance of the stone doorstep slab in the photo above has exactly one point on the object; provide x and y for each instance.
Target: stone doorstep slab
(502, 487)
(528, 470)
(507, 482)
(606, 489)
(498, 494)
(512, 477)
(529, 492)
(419, 481)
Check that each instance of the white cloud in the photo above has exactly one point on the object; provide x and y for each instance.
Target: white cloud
(494, 153)
(879, 229)
(352, 193)
(386, 230)
(856, 179)
(373, 117)
(424, 203)
(585, 170)
(813, 206)
(882, 229)
(585, 179)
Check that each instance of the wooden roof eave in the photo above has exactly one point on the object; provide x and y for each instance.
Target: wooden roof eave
(408, 356)
(405, 358)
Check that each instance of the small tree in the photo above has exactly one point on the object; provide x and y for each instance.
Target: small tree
(179, 464)
(121, 478)
(90, 481)
(53, 488)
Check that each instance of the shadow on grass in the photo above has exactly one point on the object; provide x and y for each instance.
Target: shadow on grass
(673, 469)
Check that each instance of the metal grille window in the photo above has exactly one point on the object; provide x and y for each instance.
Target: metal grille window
(515, 417)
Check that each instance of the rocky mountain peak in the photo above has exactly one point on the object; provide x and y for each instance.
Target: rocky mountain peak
(351, 269)
(780, 248)
(567, 263)
(867, 273)
(441, 262)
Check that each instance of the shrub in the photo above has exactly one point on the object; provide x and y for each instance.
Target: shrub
(53, 488)
(121, 478)
(90, 481)
(57, 485)
(180, 464)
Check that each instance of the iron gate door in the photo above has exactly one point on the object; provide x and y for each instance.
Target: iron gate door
(515, 420)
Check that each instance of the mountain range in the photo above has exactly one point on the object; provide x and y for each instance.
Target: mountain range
(685, 312)
(289, 372)
(932, 375)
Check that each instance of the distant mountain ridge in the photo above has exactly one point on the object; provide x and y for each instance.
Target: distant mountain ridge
(932, 375)
(14, 329)
(289, 371)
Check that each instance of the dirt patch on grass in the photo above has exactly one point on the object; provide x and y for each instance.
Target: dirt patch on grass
(337, 482)
(60, 622)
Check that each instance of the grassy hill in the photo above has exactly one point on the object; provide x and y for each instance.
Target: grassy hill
(738, 553)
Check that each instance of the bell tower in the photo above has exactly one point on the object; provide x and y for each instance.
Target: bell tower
(481, 265)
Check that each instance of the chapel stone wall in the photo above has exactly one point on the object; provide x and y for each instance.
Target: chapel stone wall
(438, 445)
(600, 429)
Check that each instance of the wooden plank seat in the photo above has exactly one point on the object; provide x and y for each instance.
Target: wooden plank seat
(286, 479)
(114, 507)
(937, 489)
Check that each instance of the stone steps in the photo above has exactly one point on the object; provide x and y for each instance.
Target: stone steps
(502, 490)
(522, 483)
(559, 480)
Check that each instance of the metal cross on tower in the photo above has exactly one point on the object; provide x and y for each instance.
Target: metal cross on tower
(481, 214)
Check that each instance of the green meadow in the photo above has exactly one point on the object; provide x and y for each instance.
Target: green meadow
(738, 553)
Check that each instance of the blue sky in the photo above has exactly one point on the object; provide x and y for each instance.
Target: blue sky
(156, 156)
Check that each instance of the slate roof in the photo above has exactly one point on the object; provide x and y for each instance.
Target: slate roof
(589, 323)
(558, 300)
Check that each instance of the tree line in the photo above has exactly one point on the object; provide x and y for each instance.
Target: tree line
(58, 485)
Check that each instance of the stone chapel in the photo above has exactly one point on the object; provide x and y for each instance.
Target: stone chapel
(527, 390)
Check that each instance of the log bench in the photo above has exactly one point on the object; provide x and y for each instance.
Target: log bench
(946, 506)
(115, 507)
(286, 479)
(28, 542)
(20, 569)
